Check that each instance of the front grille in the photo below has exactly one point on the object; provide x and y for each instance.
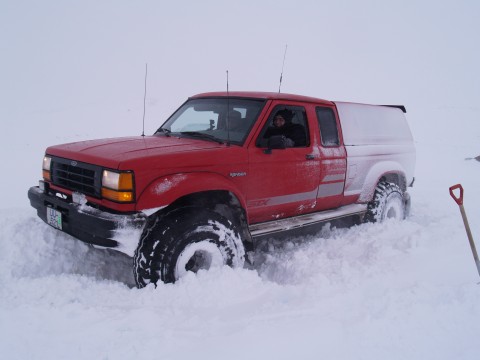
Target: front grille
(77, 176)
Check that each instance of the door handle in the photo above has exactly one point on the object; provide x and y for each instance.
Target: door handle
(310, 157)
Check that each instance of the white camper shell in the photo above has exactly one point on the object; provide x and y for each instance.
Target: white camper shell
(377, 140)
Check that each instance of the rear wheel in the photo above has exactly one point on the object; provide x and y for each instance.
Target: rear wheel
(186, 239)
(388, 203)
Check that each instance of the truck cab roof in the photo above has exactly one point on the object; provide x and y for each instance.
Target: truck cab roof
(263, 95)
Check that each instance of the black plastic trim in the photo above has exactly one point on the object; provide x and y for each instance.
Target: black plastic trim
(85, 223)
(401, 107)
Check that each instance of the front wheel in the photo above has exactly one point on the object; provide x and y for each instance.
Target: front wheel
(186, 239)
(389, 202)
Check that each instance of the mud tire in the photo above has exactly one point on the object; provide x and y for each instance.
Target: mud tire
(186, 239)
(388, 202)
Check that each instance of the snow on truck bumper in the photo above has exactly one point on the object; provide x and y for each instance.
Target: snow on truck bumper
(116, 231)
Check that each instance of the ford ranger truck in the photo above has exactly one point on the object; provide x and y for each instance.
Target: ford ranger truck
(219, 174)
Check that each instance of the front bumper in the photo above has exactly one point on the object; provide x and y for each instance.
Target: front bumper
(117, 231)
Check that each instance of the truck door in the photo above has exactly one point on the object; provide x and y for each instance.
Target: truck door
(333, 164)
(283, 182)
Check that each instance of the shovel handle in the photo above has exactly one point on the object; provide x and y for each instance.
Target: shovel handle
(458, 199)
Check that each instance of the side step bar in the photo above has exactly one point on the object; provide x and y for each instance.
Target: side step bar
(275, 226)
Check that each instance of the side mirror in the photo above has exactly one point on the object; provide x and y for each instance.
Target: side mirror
(276, 142)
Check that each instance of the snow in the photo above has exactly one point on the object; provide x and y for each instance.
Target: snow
(169, 183)
(398, 290)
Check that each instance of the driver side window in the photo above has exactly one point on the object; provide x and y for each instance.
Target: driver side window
(288, 121)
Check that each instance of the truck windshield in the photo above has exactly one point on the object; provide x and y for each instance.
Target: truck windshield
(214, 119)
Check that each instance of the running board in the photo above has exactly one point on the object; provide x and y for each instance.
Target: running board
(290, 223)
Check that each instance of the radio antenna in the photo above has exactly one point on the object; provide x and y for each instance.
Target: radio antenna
(227, 82)
(228, 114)
(281, 74)
(144, 99)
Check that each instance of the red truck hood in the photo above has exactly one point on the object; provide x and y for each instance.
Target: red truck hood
(112, 152)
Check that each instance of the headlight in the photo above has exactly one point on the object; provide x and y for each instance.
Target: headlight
(47, 163)
(117, 186)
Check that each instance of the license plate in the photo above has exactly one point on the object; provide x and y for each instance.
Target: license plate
(54, 218)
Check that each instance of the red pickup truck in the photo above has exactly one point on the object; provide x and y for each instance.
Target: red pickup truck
(224, 170)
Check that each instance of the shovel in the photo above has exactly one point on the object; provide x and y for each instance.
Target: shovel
(459, 201)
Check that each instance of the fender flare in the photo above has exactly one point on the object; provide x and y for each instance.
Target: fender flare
(376, 172)
(166, 189)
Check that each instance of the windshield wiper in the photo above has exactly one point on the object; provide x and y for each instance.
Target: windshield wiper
(200, 135)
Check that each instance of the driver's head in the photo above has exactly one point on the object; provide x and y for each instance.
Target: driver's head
(278, 121)
(282, 117)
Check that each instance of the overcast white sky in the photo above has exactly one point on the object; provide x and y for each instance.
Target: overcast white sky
(348, 50)
(76, 68)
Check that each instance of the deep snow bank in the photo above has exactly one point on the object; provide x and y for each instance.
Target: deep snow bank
(394, 290)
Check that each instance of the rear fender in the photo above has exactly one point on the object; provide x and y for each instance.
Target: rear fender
(166, 189)
(388, 169)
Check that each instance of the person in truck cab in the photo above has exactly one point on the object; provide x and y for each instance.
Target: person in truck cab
(282, 125)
